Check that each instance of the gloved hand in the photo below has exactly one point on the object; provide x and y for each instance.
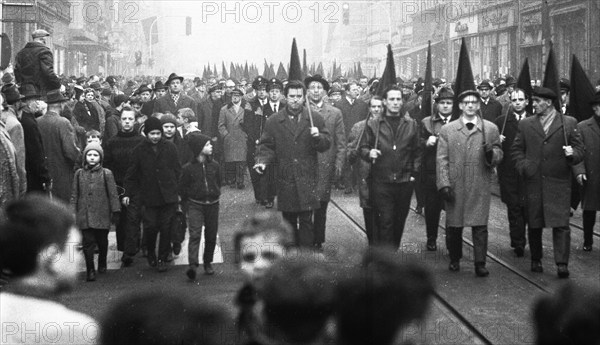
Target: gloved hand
(447, 194)
(352, 157)
(489, 154)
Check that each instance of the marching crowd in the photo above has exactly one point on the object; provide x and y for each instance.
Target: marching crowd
(141, 151)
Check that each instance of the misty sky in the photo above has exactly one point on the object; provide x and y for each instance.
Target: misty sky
(249, 31)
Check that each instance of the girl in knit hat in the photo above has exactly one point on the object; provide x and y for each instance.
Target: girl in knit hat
(94, 199)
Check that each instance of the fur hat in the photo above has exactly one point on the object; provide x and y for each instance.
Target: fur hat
(152, 124)
(93, 146)
(197, 141)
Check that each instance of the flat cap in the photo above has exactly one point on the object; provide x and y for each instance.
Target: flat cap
(544, 92)
(40, 33)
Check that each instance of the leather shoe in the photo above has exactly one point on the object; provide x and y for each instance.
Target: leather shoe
(481, 271)
(101, 269)
(587, 248)
(431, 245)
(562, 271)
(191, 273)
(536, 266)
(519, 252)
(348, 190)
(91, 276)
(127, 260)
(454, 266)
(269, 204)
(419, 210)
(152, 261)
(176, 248)
(208, 269)
(162, 266)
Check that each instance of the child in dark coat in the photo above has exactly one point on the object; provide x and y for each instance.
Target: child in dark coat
(200, 188)
(94, 198)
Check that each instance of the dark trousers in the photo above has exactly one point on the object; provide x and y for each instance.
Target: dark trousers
(433, 209)
(302, 224)
(207, 216)
(392, 201)
(561, 241)
(234, 172)
(157, 220)
(419, 192)
(320, 218)
(178, 226)
(516, 223)
(268, 184)
(370, 216)
(91, 238)
(589, 220)
(350, 175)
(480, 242)
(130, 220)
(254, 176)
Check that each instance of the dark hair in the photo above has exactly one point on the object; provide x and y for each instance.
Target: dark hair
(392, 88)
(294, 84)
(375, 97)
(519, 90)
(381, 297)
(298, 295)
(30, 225)
(350, 83)
(163, 318)
(124, 109)
(263, 222)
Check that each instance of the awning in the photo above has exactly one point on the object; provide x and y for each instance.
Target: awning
(417, 48)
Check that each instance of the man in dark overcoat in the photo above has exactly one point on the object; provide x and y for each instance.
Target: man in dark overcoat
(331, 162)
(588, 172)
(430, 131)
(490, 108)
(512, 185)
(34, 66)
(545, 149)
(175, 98)
(291, 139)
(58, 139)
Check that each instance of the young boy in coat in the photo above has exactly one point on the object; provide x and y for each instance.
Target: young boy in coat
(200, 188)
(94, 198)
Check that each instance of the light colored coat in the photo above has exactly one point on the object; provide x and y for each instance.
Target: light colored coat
(590, 132)
(230, 129)
(15, 130)
(335, 156)
(59, 142)
(462, 166)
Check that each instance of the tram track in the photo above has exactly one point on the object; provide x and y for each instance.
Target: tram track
(571, 224)
(443, 302)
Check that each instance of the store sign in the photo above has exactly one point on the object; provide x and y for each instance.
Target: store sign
(464, 26)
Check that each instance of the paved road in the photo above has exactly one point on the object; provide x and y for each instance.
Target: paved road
(498, 306)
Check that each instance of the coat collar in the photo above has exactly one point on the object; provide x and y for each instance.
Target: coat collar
(593, 124)
(557, 123)
(284, 119)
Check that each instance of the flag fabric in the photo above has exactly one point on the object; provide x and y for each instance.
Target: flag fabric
(582, 92)
(295, 67)
(388, 78)
(464, 76)
(524, 83)
(224, 73)
(427, 98)
(281, 73)
(304, 64)
(551, 77)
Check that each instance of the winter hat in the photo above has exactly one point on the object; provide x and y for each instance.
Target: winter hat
(78, 91)
(168, 118)
(152, 124)
(197, 141)
(93, 146)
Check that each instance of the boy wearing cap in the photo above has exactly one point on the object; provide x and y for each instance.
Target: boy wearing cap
(200, 188)
(545, 149)
(152, 177)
